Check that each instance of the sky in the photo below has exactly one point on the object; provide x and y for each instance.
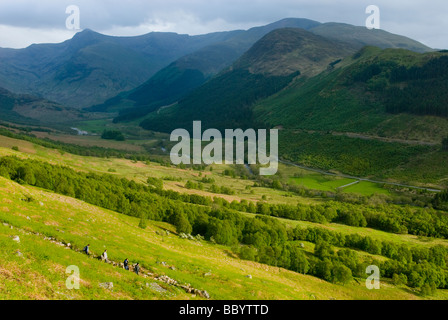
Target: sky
(24, 22)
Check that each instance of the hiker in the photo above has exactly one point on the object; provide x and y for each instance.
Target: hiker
(126, 264)
(137, 268)
(104, 256)
(86, 249)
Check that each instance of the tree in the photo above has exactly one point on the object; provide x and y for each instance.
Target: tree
(112, 135)
(323, 270)
(26, 174)
(323, 250)
(299, 262)
(182, 224)
(445, 144)
(342, 274)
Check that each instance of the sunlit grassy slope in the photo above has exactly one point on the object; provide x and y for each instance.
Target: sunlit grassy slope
(40, 273)
(206, 266)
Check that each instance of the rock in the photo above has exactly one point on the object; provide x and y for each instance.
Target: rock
(205, 294)
(16, 239)
(167, 233)
(249, 276)
(41, 203)
(302, 245)
(5, 224)
(164, 263)
(69, 245)
(107, 285)
(20, 254)
(173, 268)
(208, 274)
(28, 218)
(154, 286)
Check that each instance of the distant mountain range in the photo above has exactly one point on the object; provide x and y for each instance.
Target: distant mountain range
(28, 109)
(91, 67)
(157, 68)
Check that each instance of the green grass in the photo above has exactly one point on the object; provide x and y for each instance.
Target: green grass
(40, 274)
(76, 222)
(366, 188)
(320, 182)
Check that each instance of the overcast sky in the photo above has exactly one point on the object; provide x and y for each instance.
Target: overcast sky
(23, 22)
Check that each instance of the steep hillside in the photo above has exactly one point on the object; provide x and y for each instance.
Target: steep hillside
(46, 223)
(226, 100)
(27, 109)
(361, 36)
(35, 267)
(369, 93)
(189, 72)
(376, 103)
(91, 67)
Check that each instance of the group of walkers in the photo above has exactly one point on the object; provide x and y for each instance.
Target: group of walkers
(104, 258)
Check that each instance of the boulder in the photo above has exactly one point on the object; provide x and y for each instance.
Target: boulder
(16, 239)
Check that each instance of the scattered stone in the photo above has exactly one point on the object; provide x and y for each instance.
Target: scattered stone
(172, 268)
(208, 274)
(107, 285)
(16, 239)
(154, 286)
(164, 263)
(199, 237)
(205, 294)
(20, 254)
(249, 276)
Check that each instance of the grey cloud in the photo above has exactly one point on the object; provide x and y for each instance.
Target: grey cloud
(425, 21)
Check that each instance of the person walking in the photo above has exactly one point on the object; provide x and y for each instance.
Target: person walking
(126, 264)
(86, 249)
(137, 268)
(104, 256)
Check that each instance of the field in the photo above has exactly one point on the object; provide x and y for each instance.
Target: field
(40, 273)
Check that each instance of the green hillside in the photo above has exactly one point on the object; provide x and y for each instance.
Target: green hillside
(375, 103)
(27, 109)
(91, 68)
(181, 77)
(189, 72)
(226, 100)
(44, 221)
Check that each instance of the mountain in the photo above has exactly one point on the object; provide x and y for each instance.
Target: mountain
(27, 109)
(361, 36)
(91, 67)
(269, 66)
(368, 93)
(189, 72)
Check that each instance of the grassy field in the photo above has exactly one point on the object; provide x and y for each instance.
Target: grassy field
(40, 272)
(78, 223)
